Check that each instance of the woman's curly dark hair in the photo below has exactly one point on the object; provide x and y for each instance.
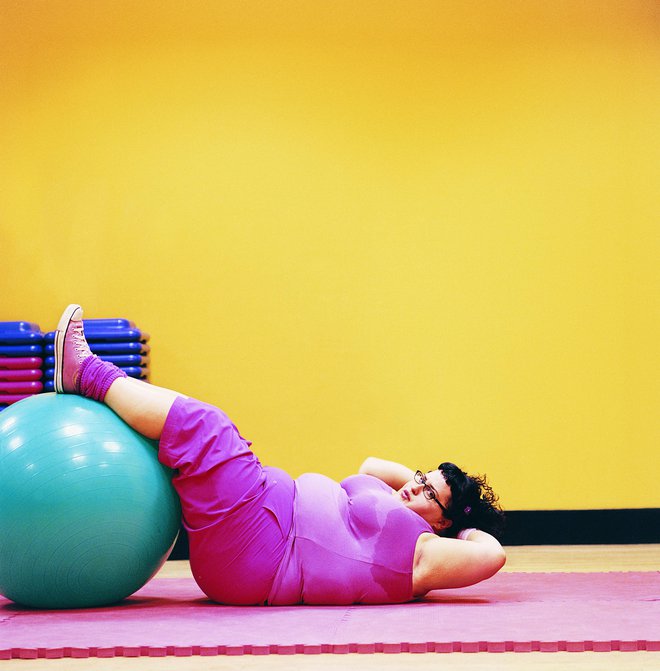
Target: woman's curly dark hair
(473, 502)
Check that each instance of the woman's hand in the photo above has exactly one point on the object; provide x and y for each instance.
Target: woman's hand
(390, 472)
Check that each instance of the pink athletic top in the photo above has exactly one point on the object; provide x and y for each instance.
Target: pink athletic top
(351, 542)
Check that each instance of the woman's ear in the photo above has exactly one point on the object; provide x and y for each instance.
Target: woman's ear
(442, 525)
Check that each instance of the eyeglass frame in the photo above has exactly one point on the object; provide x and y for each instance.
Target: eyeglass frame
(429, 492)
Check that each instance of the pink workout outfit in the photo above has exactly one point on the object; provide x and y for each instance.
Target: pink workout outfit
(258, 537)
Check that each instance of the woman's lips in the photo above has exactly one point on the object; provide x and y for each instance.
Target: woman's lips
(405, 495)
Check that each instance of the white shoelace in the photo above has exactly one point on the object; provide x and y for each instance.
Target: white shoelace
(78, 335)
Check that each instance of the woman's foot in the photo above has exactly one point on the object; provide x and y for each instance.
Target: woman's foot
(71, 349)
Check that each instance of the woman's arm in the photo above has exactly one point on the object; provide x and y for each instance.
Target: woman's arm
(392, 474)
(442, 563)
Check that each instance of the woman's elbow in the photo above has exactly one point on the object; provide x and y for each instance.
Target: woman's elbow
(496, 560)
(492, 559)
(502, 558)
(367, 466)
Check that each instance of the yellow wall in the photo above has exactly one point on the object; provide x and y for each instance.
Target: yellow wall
(422, 230)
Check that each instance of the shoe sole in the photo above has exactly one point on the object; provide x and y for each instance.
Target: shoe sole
(60, 337)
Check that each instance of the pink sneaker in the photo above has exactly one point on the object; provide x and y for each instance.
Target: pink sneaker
(71, 349)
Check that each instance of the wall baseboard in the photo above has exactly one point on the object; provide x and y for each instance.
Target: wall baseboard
(558, 527)
(582, 527)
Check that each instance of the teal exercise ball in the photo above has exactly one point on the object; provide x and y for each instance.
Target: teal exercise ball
(87, 512)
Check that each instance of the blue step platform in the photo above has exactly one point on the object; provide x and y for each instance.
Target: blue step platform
(21, 359)
(27, 354)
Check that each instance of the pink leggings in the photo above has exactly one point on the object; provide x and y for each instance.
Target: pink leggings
(238, 514)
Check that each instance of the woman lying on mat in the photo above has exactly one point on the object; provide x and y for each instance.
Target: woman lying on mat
(386, 535)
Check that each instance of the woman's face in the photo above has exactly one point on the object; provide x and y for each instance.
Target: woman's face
(413, 497)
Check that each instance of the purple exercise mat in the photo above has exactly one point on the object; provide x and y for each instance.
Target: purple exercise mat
(519, 612)
(20, 387)
(20, 375)
(20, 363)
(9, 399)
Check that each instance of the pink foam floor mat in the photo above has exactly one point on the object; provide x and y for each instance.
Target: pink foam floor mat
(518, 612)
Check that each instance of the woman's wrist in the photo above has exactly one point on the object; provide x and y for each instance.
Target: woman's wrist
(464, 533)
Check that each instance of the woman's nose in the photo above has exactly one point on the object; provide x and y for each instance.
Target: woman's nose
(415, 489)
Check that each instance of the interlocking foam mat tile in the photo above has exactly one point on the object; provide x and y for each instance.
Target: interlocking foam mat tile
(518, 612)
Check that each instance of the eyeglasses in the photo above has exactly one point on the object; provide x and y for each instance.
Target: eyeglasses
(428, 490)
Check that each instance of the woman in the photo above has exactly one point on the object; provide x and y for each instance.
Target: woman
(258, 537)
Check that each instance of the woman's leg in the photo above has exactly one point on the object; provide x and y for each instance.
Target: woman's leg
(238, 514)
(142, 406)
